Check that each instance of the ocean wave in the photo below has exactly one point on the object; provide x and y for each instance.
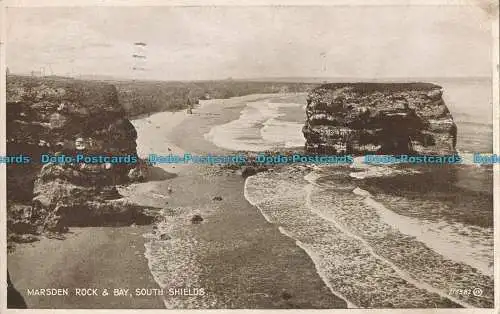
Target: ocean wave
(173, 262)
(457, 242)
(283, 133)
(258, 129)
(351, 240)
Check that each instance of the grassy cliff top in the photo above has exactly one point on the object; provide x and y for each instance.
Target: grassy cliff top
(58, 89)
(365, 87)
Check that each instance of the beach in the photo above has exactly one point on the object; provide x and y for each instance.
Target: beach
(237, 257)
(256, 157)
(89, 257)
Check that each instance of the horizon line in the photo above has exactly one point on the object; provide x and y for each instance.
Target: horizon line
(296, 79)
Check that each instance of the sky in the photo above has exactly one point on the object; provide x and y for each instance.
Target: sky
(217, 42)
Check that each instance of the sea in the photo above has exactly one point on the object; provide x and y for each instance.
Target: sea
(381, 236)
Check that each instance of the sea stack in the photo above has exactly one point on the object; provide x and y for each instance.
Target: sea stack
(383, 118)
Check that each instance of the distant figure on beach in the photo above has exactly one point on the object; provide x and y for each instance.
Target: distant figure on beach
(190, 106)
(14, 299)
(169, 189)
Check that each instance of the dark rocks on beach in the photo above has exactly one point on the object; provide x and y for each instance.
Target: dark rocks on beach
(158, 219)
(21, 227)
(217, 198)
(248, 171)
(262, 168)
(139, 173)
(55, 223)
(110, 193)
(196, 219)
(391, 118)
(232, 166)
(19, 219)
(286, 295)
(59, 202)
(22, 238)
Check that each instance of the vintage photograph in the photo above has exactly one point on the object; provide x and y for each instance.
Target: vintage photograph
(250, 156)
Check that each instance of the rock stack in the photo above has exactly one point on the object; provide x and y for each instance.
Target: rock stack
(388, 118)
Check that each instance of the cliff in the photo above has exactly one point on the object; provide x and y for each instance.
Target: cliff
(65, 117)
(389, 118)
(143, 97)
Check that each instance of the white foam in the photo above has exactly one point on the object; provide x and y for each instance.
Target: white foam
(257, 129)
(402, 273)
(262, 197)
(283, 133)
(364, 170)
(450, 241)
(252, 199)
(255, 199)
(173, 262)
(456, 242)
(315, 258)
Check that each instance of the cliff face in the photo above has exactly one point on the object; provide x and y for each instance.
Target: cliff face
(360, 118)
(63, 116)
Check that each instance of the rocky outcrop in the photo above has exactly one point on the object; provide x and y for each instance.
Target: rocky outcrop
(61, 116)
(15, 299)
(55, 116)
(60, 202)
(390, 118)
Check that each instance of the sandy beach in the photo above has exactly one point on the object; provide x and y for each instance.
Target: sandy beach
(90, 257)
(235, 255)
(272, 241)
(279, 156)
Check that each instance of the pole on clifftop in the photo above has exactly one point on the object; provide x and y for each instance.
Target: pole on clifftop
(139, 56)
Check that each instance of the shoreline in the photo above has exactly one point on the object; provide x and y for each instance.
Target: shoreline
(244, 261)
(232, 249)
(235, 230)
(235, 253)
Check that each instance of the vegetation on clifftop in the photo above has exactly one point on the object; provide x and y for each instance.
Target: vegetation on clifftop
(141, 97)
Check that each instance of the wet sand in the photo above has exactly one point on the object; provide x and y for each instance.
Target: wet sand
(245, 261)
(93, 257)
(242, 260)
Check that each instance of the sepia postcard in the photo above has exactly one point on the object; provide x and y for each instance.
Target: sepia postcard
(339, 155)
